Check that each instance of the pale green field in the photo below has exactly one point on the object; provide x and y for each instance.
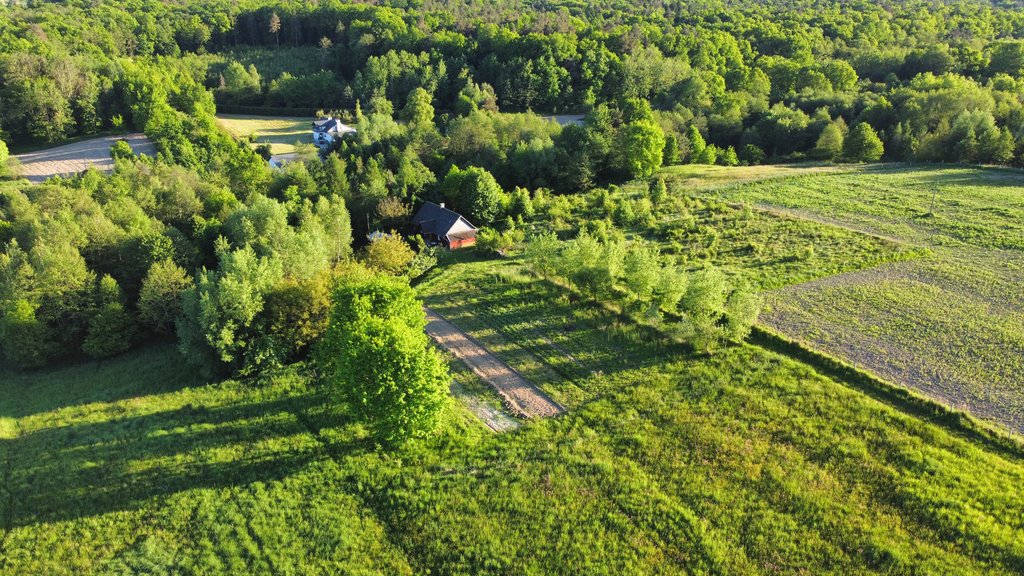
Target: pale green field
(950, 326)
(701, 177)
(282, 133)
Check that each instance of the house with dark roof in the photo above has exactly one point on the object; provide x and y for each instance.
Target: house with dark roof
(442, 226)
(327, 131)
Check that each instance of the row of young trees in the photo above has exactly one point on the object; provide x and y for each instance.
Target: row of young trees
(703, 307)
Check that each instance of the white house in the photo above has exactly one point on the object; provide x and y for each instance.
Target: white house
(327, 131)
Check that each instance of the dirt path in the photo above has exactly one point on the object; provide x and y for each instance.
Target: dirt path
(520, 395)
(820, 219)
(74, 158)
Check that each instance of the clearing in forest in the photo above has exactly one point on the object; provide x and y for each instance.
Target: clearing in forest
(282, 133)
(79, 156)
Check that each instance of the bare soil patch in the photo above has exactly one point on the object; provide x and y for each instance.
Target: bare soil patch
(491, 416)
(949, 328)
(520, 395)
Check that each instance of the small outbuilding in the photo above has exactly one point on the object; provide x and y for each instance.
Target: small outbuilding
(442, 226)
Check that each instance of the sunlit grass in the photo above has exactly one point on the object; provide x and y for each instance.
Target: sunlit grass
(281, 133)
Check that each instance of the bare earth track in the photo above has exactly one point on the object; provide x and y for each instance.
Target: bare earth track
(520, 395)
(77, 157)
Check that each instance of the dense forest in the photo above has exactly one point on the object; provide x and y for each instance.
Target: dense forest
(777, 80)
(208, 243)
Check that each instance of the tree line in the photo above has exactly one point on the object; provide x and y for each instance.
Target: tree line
(936, 81)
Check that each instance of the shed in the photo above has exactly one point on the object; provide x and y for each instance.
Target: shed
(443, 226)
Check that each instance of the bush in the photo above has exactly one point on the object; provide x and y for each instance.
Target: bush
(121, 150)
(752, 155)
(741, 311)
(499, 243)
(389, 254)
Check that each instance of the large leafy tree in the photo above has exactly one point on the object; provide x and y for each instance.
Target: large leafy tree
(830, 143)
(418, 111)
(111, 328)
(160, 298)
(377, 360)
(863, 144)
(640, 146)
(214, 329)
(476, 193)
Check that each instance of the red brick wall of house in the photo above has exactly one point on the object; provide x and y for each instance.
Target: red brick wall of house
(461, 243)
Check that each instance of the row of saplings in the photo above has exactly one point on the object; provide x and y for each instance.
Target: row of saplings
(704, 307)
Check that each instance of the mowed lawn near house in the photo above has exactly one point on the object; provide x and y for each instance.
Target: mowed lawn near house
(282, 133)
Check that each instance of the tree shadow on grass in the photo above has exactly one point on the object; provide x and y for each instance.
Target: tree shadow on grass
(573, 346)
(65, 473)
(154, 369)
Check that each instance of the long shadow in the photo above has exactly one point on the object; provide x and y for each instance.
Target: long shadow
(607, 354)
(153, 369)
(60, 474)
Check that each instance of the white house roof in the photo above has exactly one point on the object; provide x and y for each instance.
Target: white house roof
(332, 126)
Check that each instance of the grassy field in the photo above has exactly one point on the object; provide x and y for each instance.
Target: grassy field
(281, 133)
(767, 248)
(950, 325)
(974, 207)
(745, 462)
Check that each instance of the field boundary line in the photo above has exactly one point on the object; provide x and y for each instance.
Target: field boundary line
(890, 393)
(808, 216)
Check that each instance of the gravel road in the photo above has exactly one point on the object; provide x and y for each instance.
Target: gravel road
(520, 395)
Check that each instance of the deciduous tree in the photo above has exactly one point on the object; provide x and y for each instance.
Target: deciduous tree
(640, 146)
(376, 358)
(160, 298)
(863, 144)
